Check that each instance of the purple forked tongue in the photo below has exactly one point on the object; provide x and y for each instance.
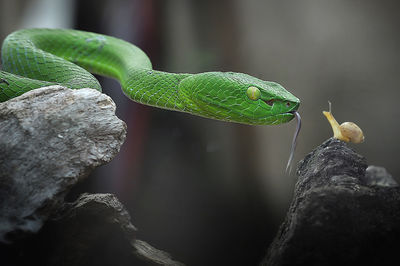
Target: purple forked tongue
(294, 141)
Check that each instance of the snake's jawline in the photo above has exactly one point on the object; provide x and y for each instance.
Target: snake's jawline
(278, 119)
(267, 120)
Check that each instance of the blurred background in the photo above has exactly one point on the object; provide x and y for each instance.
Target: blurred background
(214, 193)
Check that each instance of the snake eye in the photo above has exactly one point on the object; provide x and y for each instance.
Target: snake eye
(253, 93)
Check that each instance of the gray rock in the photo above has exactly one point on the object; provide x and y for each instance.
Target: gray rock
(378, 176)
(50, 138)
(338, 216)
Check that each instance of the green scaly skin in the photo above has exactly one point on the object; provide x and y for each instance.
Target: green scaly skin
(34, 58)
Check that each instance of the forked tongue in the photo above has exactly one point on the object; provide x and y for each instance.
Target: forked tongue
(294, 142)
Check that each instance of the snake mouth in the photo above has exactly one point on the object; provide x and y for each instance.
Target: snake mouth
(294, 108)
(292, 112)
(225, 113)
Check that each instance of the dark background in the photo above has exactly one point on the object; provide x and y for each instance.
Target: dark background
(214, 193)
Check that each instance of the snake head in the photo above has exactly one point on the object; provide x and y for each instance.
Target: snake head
(237, 97)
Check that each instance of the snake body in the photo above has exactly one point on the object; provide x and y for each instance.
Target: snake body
(33, 58)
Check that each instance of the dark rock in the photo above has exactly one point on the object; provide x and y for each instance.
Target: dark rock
(378, 176)
(341, 213)
(152, 255)
(50, 138)
(96, 229)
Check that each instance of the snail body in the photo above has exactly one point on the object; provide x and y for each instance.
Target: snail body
(347, 131)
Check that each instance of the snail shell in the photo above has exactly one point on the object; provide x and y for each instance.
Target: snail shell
(352, 132)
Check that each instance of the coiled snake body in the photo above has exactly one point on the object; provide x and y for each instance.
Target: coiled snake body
(34, 58)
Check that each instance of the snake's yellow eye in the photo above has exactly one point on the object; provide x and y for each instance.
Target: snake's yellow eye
(253, 93)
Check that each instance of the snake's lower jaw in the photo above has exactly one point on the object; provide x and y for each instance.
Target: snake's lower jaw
(284, 118)
(272, 119)
(288, 115)
(268, 120)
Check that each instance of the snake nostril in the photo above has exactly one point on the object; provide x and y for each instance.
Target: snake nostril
(288, 104)
(270, 102)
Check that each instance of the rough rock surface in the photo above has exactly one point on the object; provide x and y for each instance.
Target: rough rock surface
(96, 229)
(50, 138)
(342, 213)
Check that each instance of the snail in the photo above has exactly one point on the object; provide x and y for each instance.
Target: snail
(347, 131)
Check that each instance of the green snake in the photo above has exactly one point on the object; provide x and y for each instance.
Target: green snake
(34, 58)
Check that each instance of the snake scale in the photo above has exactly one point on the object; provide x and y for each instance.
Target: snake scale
(34, 58)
